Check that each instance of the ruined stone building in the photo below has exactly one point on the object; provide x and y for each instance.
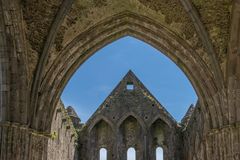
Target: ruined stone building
(62, 141)
(43, 42)
(130, 117)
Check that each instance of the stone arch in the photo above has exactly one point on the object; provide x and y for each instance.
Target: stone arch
(158, 130)
(132, 120)
(154, 128)
(165, 119)
(97, 120)
(102, 134)
(143, 28)
(139, 119)
(220, 106)
(131, 134)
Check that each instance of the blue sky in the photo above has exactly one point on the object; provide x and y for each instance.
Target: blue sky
(100, 74)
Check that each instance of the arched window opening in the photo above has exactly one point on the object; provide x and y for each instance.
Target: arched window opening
(159, 153)
(131, 154)
(103, 154)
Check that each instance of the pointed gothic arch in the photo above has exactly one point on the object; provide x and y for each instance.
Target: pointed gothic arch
(131, 132)
(159, 131)
(218, 104)
(164, 118)
(131, 114)
(100, 118)
(127, 23)
(102, 132)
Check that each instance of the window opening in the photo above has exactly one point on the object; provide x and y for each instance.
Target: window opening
(131, 154)
(130, 86)
(103, 154)
(159, 153)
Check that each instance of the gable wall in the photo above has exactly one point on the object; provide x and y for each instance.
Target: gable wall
(130, 118)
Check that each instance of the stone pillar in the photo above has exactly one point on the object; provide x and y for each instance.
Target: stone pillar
(13, 69)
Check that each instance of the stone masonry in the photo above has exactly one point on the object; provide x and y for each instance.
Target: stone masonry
(131, 117)
(43, 42)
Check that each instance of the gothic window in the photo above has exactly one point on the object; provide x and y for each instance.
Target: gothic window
(159, 153)
(103, 154)
(131, 154)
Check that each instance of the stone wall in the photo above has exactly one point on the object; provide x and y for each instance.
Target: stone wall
(201, 143)
(193, 134)
(18, 142)
(62, 144)
(130, 118)
(24, 102)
